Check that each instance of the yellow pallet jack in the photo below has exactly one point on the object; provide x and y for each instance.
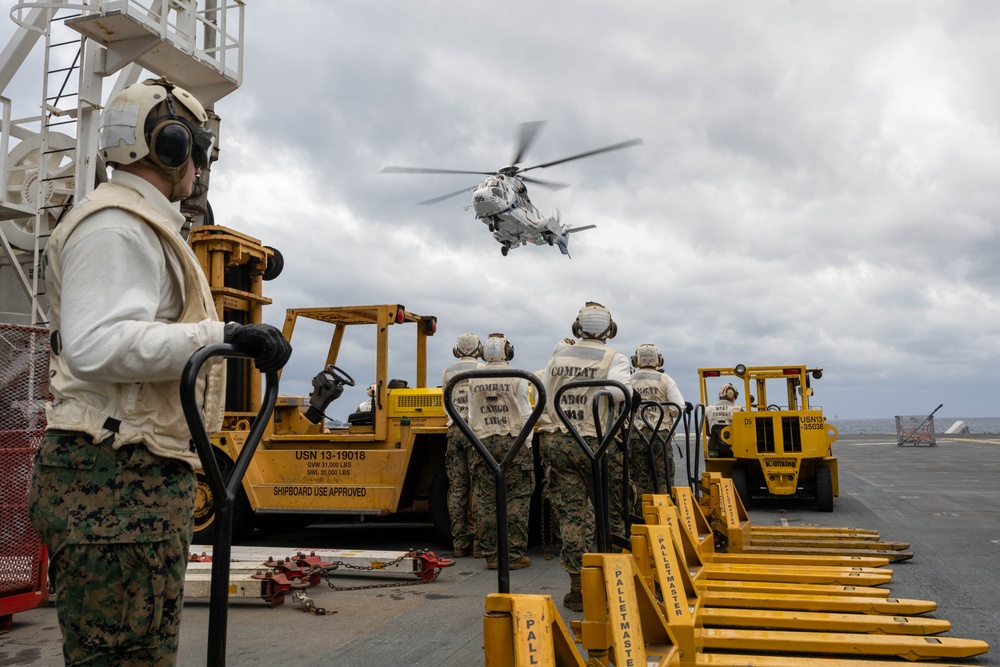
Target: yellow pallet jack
(729, 520)
(697, 525)
(659, 553)
(655, 608)
(625, 624)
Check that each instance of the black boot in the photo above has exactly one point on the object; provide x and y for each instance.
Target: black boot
(574, 599)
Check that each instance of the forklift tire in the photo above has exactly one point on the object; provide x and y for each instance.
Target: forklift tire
(824, 488)
(739, 477)
(204, 510)
(275, 263)
(439, 507)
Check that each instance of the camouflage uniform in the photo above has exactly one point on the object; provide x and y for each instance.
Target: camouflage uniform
(520, 485)
(456, 463)
(118, 525)
(641, 474)
(571, 493)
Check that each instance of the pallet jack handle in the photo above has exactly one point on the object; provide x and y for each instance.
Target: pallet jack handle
(497, 468)
(598, 460)
(223, 491)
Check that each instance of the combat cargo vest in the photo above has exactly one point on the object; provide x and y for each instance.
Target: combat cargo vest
(721, 413)
(493, 408)
(651, 385)
(459, 397)
(149, 412)
(544, 424)
(587, 360)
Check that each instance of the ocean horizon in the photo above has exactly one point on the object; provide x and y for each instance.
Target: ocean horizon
(887, 425)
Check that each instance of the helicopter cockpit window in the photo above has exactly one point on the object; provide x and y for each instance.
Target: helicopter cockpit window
(496, 187)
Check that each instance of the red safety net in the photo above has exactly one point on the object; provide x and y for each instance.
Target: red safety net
(24, 389)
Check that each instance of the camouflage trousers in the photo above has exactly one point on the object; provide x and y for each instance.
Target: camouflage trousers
(571, 494)
(640, 472)
(520, 485)
(117, 525)
(456, 465)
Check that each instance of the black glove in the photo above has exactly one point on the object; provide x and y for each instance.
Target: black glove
(636, 400)
(262, 342)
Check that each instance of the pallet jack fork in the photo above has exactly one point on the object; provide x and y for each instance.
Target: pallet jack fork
(731, 524)
(661, 555)
(696, 523)
(614, 590)
(625, 624)
(797, 572)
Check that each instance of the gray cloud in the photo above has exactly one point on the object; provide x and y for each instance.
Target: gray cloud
(817, 182)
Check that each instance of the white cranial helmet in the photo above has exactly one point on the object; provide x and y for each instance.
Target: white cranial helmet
(594, 321)
(647, 356)
(728, 388)
(135, 120)
(498, 348)
(562, 345)
(468, 345)
(158, 123)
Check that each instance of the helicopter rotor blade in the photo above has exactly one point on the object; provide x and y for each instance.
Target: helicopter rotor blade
(551, 185)
(614, 147)
(529, 131)
(447, 196)
(425, 170)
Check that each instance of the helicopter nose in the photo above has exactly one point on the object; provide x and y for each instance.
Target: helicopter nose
(486, 202)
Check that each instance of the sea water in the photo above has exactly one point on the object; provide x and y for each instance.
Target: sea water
(887, 425)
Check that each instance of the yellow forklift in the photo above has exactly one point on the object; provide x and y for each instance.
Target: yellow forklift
(388, 459)
(778, 444)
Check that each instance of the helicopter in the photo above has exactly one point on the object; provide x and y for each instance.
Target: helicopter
(501, 200)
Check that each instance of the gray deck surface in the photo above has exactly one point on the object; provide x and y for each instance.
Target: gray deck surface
(944, 501)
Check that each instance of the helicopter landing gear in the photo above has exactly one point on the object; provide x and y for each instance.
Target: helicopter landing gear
(504, 250)
(492, 227)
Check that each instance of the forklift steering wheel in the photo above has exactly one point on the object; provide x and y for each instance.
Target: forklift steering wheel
(340, 376)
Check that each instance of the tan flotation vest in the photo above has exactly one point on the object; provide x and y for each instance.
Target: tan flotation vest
(459, 395)
(493, 408)
(143, 412)
(587, 360)
(651, 385)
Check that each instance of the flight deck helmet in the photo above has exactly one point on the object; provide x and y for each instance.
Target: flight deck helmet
(594, 321)
(497, 348)
(468, 345)
(727, 389)
(158, 123)
(562, 345)
(647, 356)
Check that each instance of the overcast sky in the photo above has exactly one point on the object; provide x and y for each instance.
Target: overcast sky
(817, 182)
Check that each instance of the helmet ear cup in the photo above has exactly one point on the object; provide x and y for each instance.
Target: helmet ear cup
(577, 329)
(508, 350)
(170, 145)
(613, 330)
